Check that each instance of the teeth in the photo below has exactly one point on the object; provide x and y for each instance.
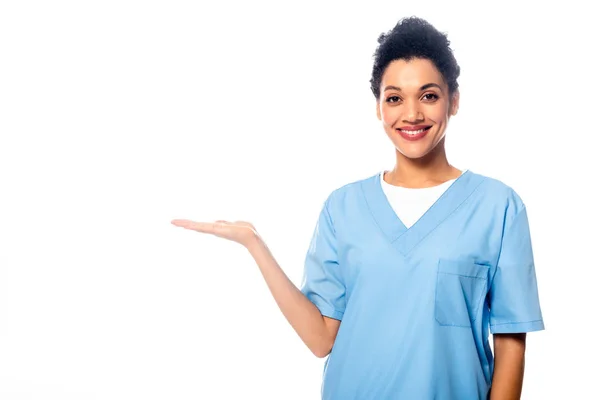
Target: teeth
(413, 132)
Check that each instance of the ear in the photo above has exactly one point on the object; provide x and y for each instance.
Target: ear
(378, 110)
(455, 102)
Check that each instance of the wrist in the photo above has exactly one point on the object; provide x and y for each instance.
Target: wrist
(254, 244)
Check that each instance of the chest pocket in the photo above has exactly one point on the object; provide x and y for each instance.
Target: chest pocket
(459, 292)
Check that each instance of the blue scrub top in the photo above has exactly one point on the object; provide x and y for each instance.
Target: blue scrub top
(417, 305)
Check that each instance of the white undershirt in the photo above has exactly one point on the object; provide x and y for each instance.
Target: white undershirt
(411, 203)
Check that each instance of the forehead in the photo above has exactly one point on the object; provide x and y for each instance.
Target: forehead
(413, 73)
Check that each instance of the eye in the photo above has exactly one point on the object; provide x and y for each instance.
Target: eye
(393, 99)
(431, 96)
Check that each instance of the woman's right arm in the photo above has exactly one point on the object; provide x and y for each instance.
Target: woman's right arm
(315, 330)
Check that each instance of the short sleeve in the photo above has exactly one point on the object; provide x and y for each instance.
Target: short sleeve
(514, 300)
(322, 282)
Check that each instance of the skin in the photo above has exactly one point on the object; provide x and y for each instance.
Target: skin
(509, 366)
(404, 102)
(412, 93)
(315, 330)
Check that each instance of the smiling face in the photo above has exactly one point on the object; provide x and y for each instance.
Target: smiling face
(415, 106)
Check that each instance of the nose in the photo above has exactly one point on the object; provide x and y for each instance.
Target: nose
(412, 111)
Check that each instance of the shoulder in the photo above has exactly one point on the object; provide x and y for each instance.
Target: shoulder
(351, 190)
(501, 196)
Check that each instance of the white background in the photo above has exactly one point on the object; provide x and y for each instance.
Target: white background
(118, 116)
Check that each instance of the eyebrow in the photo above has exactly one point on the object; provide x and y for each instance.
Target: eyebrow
(426, 86)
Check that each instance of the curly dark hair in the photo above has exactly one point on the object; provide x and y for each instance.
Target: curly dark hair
(414, 38)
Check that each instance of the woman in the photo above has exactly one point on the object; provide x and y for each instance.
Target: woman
(410, 270)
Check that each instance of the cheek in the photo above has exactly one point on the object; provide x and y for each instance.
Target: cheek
(439, 114)
(389, 116)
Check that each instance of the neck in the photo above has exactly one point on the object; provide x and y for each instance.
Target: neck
(431, 170)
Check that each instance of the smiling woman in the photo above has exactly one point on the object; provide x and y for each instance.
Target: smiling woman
(415, 114)
(410, 270)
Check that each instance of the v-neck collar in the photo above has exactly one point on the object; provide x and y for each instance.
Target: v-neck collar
(405, 239)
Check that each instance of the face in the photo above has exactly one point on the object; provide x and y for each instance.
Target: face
(415, 106)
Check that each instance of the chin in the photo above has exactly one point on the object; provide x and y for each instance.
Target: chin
(414, 155)
(414, 152)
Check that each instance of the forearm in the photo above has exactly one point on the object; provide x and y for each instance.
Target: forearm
(304, 317)
(509, 367)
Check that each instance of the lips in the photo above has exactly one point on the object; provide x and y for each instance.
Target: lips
(413, 132)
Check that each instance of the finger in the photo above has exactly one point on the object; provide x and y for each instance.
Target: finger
(182, 222)
(204, 227)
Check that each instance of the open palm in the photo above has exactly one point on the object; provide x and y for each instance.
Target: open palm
(238, 231)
